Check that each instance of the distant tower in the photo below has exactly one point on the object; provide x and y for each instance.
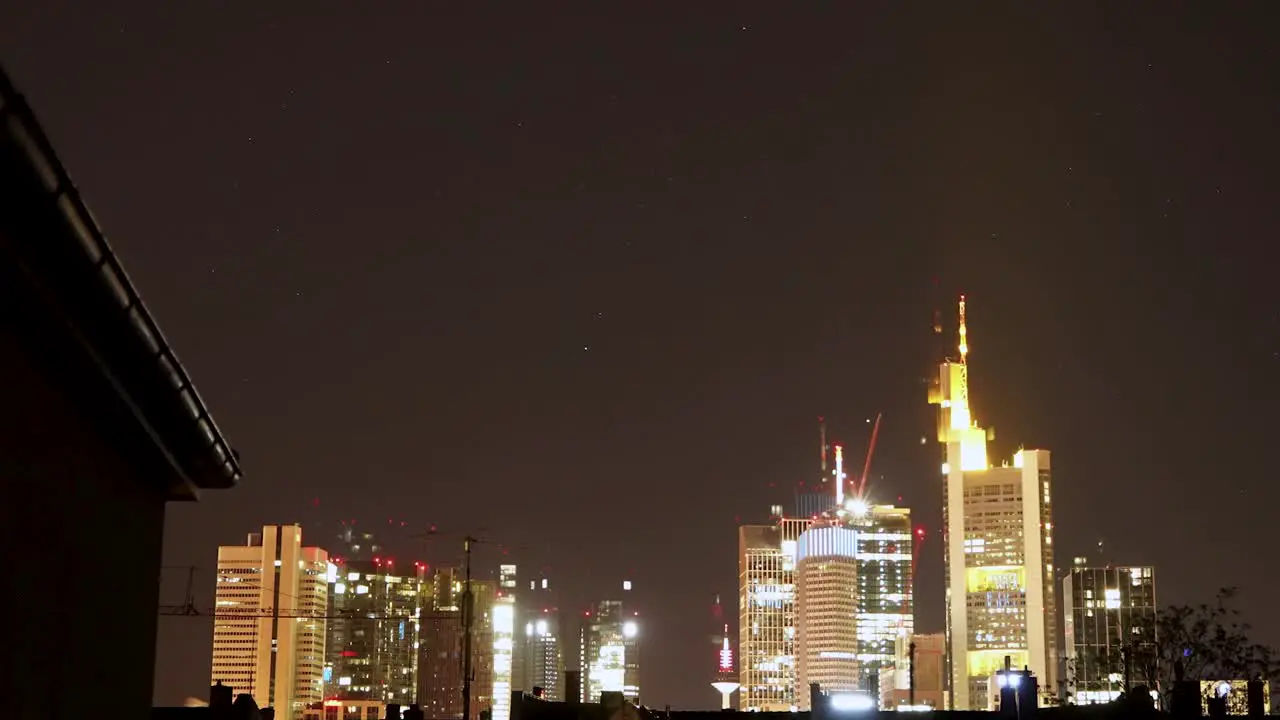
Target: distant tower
(767, 605)
(609, 650)
(840, 476)
(826, 608)
(269, 632)
(542, 661)
(372, 632)
(998, 534)
(726, 682)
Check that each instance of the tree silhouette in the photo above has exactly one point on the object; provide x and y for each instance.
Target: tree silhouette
(1095, 663)
(1207, 642)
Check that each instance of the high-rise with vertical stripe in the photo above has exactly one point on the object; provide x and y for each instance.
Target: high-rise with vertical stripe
(269, 625)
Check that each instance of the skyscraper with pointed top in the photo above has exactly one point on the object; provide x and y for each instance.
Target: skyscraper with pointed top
(997, 531)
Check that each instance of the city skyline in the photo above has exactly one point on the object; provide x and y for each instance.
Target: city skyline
(584, 284)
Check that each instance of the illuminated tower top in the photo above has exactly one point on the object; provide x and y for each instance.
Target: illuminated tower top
(839, 476)
(724, 661)
(950, 392)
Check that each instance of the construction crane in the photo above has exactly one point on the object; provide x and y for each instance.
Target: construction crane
(242, 613)
(871, 450)
(188, 608)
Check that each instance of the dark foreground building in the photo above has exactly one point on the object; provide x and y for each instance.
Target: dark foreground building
(99, 428)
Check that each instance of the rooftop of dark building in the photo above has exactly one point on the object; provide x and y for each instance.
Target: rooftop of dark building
(74, 305)
(100, 428)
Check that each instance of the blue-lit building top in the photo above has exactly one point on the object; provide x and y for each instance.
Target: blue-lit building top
(828, 541)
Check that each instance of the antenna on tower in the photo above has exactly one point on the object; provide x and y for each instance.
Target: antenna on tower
(839, 476)
(964, 336)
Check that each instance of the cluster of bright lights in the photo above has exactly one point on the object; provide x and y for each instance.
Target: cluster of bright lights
(858, 507)
(630, 629)
(852, 702)
(1008, 679)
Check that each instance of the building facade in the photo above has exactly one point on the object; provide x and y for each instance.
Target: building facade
(998, 548)
(269, 624)
(922, 659)
(1107, 611)
(541, 657)
(440, 646)
(884, 600)
(504, 642)
(767, 614)
(484, 596)
(826, 609)
(609, 648)
(371, 651)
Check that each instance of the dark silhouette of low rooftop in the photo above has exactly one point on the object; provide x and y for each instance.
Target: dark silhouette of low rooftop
(73, 293)
(100, 427)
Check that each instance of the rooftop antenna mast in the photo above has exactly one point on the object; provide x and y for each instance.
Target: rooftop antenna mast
(839, 476)
(468, 611)
(964, 336)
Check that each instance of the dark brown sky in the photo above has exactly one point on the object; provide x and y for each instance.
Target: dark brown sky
(380, 236)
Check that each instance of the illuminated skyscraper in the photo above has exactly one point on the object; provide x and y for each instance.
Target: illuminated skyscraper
(999, 553)
(610, 651)
(1107, 610)
(885, 605)
(487, 620)
(504, 641)
(372, 640)
(767, 614)
(541, 657)
(440, 647)
(504, 627)
(440, 660)
(826, 608)
(269, 628)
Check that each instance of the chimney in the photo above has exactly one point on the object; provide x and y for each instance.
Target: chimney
(219, 696)
(1255, 696)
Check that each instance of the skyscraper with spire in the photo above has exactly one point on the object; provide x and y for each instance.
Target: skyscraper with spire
(998, 540)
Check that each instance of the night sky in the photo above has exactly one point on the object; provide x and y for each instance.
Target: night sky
(581, 280)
